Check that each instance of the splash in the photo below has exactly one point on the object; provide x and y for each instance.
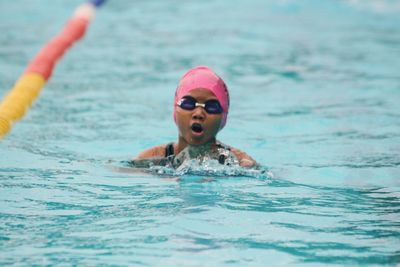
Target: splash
(211, 167)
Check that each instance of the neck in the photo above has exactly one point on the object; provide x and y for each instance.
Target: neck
(196, 150)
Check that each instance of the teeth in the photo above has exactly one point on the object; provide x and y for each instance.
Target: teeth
(197, 127)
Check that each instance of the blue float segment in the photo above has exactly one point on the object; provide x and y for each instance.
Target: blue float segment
(97, 3)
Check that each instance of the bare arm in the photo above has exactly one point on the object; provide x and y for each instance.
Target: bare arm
(154, 152)
(244, 159)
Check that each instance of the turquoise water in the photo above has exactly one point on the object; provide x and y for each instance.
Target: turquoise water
(315, 98)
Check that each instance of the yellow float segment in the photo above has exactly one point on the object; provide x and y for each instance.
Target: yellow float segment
(5, 126)
(19, 99)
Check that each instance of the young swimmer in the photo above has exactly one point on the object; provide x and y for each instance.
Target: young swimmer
(200, 111)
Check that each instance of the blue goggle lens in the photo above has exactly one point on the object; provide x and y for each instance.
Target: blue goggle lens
(211, 106)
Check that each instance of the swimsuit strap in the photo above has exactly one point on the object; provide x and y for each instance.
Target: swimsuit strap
(221, 145)
(169, 150)
(222, 157)
(169, 153)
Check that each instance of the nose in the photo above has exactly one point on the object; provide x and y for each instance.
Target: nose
(198, 114)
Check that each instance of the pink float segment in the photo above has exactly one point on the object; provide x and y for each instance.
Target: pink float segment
(48, 56)
(45, 61)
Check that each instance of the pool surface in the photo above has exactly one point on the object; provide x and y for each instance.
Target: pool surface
(315, 93)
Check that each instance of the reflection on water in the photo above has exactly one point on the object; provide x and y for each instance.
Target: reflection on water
(159, 218)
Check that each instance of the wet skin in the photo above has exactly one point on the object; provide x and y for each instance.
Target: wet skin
(186, 118)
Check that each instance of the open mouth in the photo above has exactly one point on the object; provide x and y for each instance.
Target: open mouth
(197, 128)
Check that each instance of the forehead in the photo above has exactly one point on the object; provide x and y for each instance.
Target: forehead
(201, 94)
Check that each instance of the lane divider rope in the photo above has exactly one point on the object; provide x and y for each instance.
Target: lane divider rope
(28, 87)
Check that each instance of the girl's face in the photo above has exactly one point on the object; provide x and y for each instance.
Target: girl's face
(197, 127)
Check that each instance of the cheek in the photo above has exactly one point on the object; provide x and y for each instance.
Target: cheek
(214, 123)
(182, 116)
(182, 120)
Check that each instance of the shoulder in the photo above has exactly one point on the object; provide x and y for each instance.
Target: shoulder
(153, 152)
(244, 159)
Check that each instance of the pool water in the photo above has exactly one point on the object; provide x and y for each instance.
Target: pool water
(315, 90)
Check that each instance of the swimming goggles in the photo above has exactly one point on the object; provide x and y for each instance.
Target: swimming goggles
(211, 106)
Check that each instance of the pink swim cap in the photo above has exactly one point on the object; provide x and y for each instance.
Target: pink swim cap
(204, 77)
